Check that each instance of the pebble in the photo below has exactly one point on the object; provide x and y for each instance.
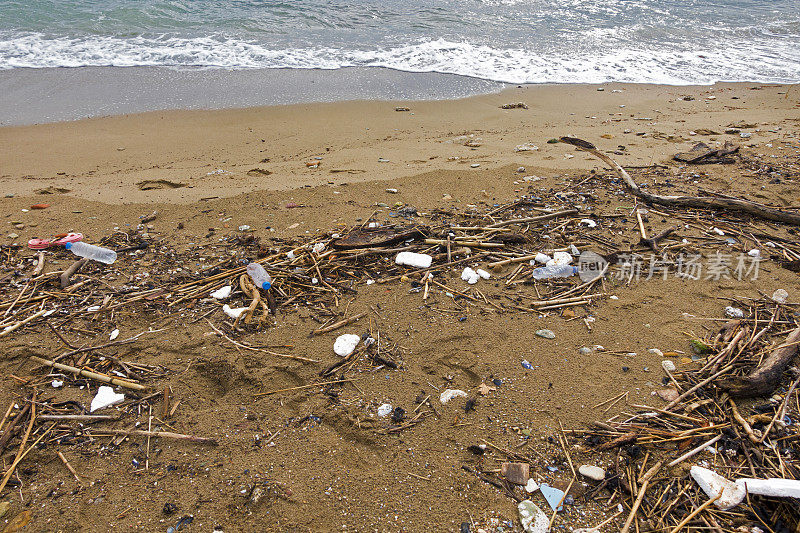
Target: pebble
(12, 235)
(655, 351)
(521, 170)
(668, 365)
(592, 472)
(734, 312)
(533, 519)
(392, 191)
(114, 334)
(780, 296)
(585, 350)
(385, 410)
(345, 344)
(545, 334)
(475, 165)
(449, 394)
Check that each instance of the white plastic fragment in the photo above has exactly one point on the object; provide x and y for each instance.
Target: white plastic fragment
(755, 252)
(560, 258)
(533, 519)
(712, 483)
(232, 312)
(470, 276)
(106, 397)
(93, 308)
(668, 365)
(449, 394)
(345, 344)
(541, 258)
(56, 383)
(413, 259)
(718, 231)
(318, 247)
(384, 410)
(774, 487)
(531, 486)
(588, 222)
(222, 292)
(114, 334)
(482, 273)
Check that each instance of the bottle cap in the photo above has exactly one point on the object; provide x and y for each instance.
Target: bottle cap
(68, 245)
(266, 285)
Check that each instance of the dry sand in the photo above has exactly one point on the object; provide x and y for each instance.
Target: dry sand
(342, 473)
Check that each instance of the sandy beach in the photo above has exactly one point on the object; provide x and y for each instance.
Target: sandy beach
(284, 174)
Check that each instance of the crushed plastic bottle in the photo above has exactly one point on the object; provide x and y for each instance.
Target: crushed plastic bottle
(554, 271)
(90, 251)
(259, 276)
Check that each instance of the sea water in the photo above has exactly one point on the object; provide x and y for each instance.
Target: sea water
(513, 41)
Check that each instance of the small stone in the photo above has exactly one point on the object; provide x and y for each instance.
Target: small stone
(585, 351)
(12, 235)
(668, 365)
(655, 351)
(345, 344)
(545, 334)
(521, 170)
(734, 312)
(392, 191)
(592, 472)
(475, 165)
(780, 296)
(533, 519)
(516, 473)
(385, 410)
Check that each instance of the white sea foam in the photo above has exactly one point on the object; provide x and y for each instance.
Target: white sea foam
(766, 62)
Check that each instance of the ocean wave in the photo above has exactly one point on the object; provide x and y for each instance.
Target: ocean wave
(764, 62)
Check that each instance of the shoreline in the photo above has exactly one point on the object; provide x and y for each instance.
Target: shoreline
(58, 94)
(183, 156)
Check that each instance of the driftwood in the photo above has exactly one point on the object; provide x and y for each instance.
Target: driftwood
(764, 379)
(701, 202)
(68, 273)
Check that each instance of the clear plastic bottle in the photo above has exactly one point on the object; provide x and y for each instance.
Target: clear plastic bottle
(259, 276)
(90, 251)
(554, 271)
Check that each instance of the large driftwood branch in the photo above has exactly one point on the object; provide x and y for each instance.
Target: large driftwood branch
(764, 379)
(703, 202)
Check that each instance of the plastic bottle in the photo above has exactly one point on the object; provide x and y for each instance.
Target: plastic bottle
(90, 251)
(259, 276)
(554, 271)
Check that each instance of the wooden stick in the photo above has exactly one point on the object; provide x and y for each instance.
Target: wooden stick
(642, 489)
(163, 434)
(79, 418)
(338, 324)
(21, 323)
(540, 218)
(704, 202)
(19, 459)
(696, 512)
(302, 387)
(69, 467)
(695, 451)
(90, 375)
(68, 273)
(504, 262)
